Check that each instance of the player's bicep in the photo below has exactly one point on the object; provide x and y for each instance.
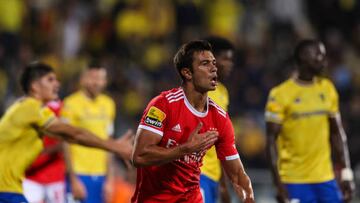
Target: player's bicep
(273, 129)
(143, 140)
(225, 146)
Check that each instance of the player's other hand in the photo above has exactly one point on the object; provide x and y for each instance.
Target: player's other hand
(347, 188)
(201, 141)
(124, 145)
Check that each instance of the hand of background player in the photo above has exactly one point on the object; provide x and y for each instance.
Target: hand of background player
(125, 145)
(78, 189)
(201, 141)
(347, 188)
(282, 195)
(108, 190)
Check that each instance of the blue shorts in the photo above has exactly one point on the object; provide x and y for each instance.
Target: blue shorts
(8, 197)
(209, 189)
(94, 189)
(326, 192)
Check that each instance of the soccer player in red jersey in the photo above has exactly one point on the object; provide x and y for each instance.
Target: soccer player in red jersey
(177, 128)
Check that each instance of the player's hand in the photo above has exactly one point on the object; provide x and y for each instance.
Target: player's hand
(201, 141)
(249, 200)
(347, 188)
(282, 195)
(224, 193)
(108, 190)
(125, 145)
(78, 189)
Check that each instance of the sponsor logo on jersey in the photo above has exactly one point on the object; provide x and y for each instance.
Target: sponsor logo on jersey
(155, 117)
(297, 115)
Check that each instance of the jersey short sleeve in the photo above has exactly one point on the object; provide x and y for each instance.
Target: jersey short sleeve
(154, 116)
(46, 117)
(334, 107)
(225, 146)
(36, 114)
(68, 114)
(275, 107)
(110, 129)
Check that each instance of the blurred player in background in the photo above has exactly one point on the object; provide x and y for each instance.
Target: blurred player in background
(27, 120)
(211, 173)
(92, 110)
(176, 130)
(45, 179)
(303, 126)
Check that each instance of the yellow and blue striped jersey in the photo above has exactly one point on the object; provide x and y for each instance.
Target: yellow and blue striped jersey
(20, 140)
(97, 116)
(211, 164)
(304, 142)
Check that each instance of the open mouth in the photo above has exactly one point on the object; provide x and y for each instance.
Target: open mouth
(213, 80)
(56, 91)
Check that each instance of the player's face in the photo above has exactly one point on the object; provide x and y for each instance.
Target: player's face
(225, 63)
(94, 81)
(48, 87)
(204, 71)
(315, 58)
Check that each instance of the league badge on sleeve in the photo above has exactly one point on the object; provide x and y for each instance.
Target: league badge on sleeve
(155, 117)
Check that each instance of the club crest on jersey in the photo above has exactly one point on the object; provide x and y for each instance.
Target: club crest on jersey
(155, 117)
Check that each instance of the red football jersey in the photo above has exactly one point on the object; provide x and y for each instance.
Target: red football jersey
(48, 168)
(171, 116)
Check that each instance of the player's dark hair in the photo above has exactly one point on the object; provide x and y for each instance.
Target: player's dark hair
(184, 57)
(219, 44)
(33, 72)
(94, 65)
(301, 47)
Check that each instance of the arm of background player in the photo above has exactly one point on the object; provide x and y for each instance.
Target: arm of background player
(78, 190)
(108, 188)
(224, 192)
(239, 179)
(147, 152)
(272, 131)
(122, 147)
(341, 152)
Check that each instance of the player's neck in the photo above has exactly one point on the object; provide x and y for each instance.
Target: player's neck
(89, 95)
(305, 78)
(37, 97)
(197, 99)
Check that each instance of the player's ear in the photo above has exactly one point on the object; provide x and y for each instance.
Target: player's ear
(186, 72)
(35, 86)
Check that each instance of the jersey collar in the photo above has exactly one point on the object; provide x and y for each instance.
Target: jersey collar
(193, 110)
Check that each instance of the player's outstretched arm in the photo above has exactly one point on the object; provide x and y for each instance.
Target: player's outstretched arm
(272, 131)
(122, 147)
(147, 152)
(341, 151)
(239, 179)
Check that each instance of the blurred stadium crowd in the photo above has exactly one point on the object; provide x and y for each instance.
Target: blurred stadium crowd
(136, 39)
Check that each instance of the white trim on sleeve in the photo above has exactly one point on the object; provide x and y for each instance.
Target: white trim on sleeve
(232, 157)
(335, 115)
(151, 129)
